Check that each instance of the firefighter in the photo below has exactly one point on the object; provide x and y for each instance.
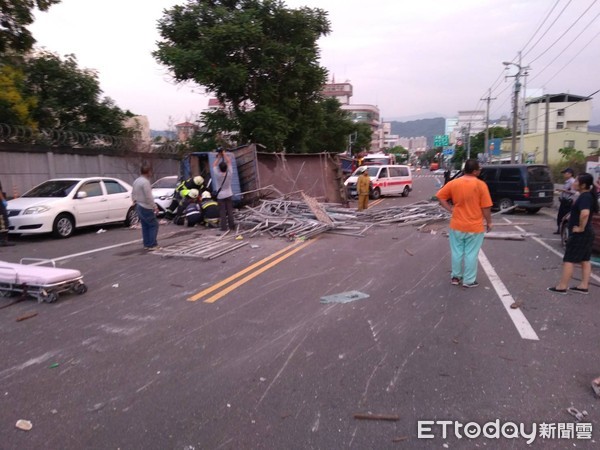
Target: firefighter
(210, 210)
(180, 212)
(362, 188)
(182, 190)
(193, 213)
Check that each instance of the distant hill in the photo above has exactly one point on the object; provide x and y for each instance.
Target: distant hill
(422, 127)
(594, 128)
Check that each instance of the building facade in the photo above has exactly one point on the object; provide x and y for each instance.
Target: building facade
(564, 112)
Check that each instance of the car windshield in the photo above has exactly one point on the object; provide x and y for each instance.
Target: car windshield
(539, 174)
(52, 188)
(165, 183)
(372, 170)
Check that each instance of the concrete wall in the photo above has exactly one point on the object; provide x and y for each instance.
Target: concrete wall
(25, 166)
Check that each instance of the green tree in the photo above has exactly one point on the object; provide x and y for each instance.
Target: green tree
(15, 16)
(15, 108)
(401, 153)
(260, 60)
(69, 98)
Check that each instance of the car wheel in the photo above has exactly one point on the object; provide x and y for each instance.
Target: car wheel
(132, 217)
(506, 203)
(405, 192)
(63, 226)
(376, 194)
(533, 210)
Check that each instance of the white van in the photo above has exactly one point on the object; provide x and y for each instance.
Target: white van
(385, 180)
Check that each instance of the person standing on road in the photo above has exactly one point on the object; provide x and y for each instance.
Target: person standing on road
(145, 207)
(581, 236)
(223, 178)
(363, 186)
(3, 221)
(567, 194)
(471, 204)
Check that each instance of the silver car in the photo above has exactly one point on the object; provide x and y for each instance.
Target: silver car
(162, 191)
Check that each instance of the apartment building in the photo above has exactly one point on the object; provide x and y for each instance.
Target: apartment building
(563, 111)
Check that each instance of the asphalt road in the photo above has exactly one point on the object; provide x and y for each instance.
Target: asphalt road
(258, 361)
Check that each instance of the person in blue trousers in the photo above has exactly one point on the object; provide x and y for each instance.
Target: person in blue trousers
(145, 207)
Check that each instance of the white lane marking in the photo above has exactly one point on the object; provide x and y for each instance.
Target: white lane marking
(86, 253)
(516, 315)
(543, 244)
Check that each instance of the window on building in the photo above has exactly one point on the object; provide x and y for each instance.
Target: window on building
(560, 113)
(592, 144)
(560, 125)
(569, 144)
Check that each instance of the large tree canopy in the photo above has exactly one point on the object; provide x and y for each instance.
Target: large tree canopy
(260, 59)
(69, 98)
(15, 16)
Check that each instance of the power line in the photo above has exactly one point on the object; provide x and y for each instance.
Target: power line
(566, 48)
(540, 26)
(549, 28)
(565, 32)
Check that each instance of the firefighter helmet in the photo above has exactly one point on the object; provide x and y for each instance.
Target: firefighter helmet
(198, 180)
(193, 193)
(206, 195)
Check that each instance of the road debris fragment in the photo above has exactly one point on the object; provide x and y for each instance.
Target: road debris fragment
(26, 316)
(596, 386)
(579, 415)
(24, 425)
(344, 297)
(370, 416)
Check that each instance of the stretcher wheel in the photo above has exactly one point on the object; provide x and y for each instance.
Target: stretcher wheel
(5, 292)
(80, 289)
(50, 297)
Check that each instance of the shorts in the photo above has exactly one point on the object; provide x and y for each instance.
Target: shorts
(579, 247)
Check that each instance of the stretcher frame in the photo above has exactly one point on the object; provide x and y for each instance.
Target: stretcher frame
(11, 282)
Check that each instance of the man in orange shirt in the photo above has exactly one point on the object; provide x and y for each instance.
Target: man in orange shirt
(471, 204)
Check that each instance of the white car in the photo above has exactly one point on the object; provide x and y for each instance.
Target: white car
(162, 191)
(60, 205)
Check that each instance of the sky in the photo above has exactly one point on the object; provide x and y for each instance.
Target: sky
(412, 59)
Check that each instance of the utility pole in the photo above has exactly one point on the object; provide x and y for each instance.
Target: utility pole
(469, 141)
(488, 99)
(515, 105)
(521, 143)
(546, 125)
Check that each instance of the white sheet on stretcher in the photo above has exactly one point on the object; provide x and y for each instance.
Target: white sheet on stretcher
(35, 275)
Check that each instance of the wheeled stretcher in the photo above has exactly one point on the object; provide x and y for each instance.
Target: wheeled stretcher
(41, 282)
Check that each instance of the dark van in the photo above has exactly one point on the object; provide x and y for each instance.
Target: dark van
(527, 186)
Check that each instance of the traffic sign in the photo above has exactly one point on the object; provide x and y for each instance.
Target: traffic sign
(441, 140)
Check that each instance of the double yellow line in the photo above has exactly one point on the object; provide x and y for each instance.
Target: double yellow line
(266, 265)
(375, 202)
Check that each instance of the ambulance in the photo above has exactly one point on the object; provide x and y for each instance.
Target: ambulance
(385, 180)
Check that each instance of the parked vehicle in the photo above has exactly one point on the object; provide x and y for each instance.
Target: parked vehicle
(385, 180)
(61, 205)
(564, 230)
(162, 191)
(522, 185)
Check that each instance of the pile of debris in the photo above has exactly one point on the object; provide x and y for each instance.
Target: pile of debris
(306, 218)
